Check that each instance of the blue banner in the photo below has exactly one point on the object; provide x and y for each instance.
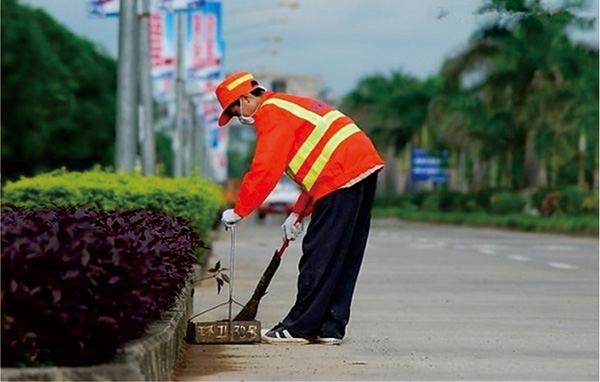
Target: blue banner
(204, 43)
(427, 166)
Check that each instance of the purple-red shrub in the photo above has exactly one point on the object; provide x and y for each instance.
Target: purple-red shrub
(77, 283)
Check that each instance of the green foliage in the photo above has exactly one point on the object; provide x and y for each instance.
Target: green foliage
(575, 201)
(445, 200)
(419, 198)
(392, 108)
(399, 200)
(590, 204)
(507, 202)
(549, 204)
(192, 198)
(538, 196)
(514, 103)
(58, 96)
(579, 225)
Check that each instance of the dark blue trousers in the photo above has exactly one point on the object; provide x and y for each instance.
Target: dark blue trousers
(333, 250)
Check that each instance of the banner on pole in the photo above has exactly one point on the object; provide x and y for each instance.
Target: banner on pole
(204, 43)
(162, 45)
(103, 8)
(110, 8)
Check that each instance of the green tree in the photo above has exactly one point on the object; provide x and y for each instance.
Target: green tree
(58, 96)
(515, 54)
(393, 109)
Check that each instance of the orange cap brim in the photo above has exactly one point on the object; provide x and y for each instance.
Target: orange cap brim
(224, 119)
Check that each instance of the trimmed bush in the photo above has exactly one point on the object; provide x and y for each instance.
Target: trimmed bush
(590, 204)
(77, 283)
(400, 200)
(419, 198)
(192, 198)
(587, 225)
(483, 198)
(549, 204)
(506, 203)
(445, 200)
(539, 195)
(431, 202)
(571, 200)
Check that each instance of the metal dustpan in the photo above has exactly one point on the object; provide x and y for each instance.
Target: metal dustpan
(226, 331)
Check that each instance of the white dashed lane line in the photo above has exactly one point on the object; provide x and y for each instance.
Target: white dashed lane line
(518, 258)
(562, 266)
(557, 247)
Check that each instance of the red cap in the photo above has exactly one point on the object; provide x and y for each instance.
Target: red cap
(231, 89)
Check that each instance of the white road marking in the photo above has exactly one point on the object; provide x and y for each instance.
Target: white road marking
(562, 265)
(426, 245)
(497, 247)
(518, 258)
(557, 247)
(489, 249)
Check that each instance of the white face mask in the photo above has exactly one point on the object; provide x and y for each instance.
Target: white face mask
(243, 119)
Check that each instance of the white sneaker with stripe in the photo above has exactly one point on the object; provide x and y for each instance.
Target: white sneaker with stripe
(280, 335)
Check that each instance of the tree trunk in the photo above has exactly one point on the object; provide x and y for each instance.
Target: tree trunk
(532, 168)
(453, 182)
(543, 179)
(390, 173)
(492, 175)
(478, 174)
(581, 172)
(462, 170)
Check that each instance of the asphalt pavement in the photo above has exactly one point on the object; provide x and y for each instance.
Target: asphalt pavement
(433, 302)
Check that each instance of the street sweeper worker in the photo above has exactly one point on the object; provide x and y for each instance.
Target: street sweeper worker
(336, 165)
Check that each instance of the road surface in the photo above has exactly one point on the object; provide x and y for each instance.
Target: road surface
(433, 302)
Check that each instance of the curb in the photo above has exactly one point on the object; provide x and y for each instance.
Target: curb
(149, 358)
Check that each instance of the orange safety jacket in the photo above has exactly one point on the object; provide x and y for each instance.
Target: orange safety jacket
(317, 146)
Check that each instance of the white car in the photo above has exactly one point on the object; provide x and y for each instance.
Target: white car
(281, 200)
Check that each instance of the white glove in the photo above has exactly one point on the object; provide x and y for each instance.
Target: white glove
(229, 218)
(291, 228)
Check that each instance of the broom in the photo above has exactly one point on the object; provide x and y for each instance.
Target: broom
(248, 312)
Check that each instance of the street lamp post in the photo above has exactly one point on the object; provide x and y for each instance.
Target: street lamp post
(176, 143)
(148, 147)
(126, 89)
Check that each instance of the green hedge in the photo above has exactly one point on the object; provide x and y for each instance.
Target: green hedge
(577, 224)
(192, 198)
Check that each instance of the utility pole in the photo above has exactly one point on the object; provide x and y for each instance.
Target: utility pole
(146, 125)
(197, 149)
(179, 100)
(126, 89)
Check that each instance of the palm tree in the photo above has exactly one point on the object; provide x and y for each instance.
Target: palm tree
(512, 55)
(392, 109)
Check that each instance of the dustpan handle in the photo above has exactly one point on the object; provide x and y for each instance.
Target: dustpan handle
(231, 268)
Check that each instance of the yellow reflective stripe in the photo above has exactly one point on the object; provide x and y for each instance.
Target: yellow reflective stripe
(235, 83)
(321, 124)
(298, 111)
(313, 139)
(327, 152)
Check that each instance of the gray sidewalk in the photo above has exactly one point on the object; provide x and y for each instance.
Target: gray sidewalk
(433, 302)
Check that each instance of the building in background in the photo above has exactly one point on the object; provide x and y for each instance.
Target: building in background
(302, 84)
